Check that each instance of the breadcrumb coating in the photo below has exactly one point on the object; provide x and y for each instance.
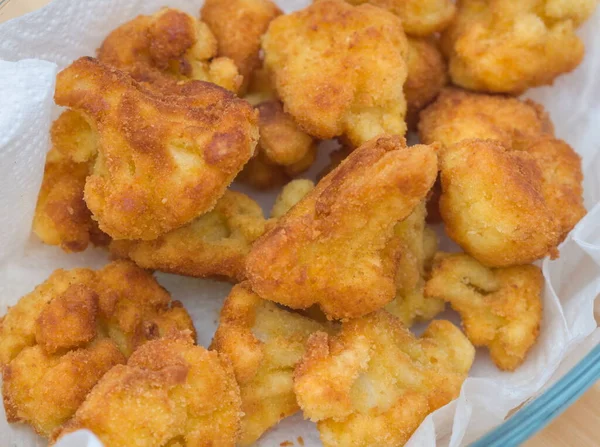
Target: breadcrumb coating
(170, 393)
(165, 157)
(339, 69)
(290, 195)
(167, 47)
(336, 247)
(500, 308)
(264, 342)
(506, 46)
(375, 382)
(214, 245)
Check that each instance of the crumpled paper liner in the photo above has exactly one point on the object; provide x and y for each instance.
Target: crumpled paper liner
(67, 29)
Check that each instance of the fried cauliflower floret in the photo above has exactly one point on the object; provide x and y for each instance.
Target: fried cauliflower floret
(261, 87)
(339, 69)
(336, 247)
(418, 245)
(374, 382)
(500, 308)
(164, 157)
(46, 389)
(170, 393)
(290, 195)
(505, 46)
(427, 75)
(458, 115)
(214, 245)
(493, 205)
(238, 26)
(264, 342)
(61, 215)
(419, 17)
(166, 47)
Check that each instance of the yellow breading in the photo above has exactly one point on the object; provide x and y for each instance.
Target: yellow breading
(507, 46)
(238, 26)
(61, 215)
(334, 248)
(290, 195)
(214, 245)
(170, 393)
(500, 308)
(165, 156)
(339, 69)
(260, 87)
(374, 383)
(264, 342)
(427, 75)
(168, 47)
(418, 245)
(60, 339)
(419, 17)
(493, 205)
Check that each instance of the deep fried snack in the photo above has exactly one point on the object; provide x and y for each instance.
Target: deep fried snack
(374, 383)
(419, 17)
(426, 77)
(214, 245)
(458, 115)
(260, 87)
(168, 47)
(336, 247)
(238, 26)
(290, 195)
(507, 46)
(170, 393)
(61, 215)
(264, 342)
(418, 245)
(500, 308)
(339, 69)
(493, 205)
(164, 157)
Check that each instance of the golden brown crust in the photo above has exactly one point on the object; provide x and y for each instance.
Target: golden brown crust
(214, 245)
(238, 26)
(171, 392)
(374, 382)
(507, 47)
(500, 308)
(321, 59)
(336, 247)
(168, 47)
(419, 17)
(493, 205)
(290, 195)
(264, 343)
(164, 157)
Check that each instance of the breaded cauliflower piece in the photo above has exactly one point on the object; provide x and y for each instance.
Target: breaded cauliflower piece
(170, 393)
(264, 342)
(238, 26)
(214, 245)
(60, 339)
(418, 245)
(374, 383)
(427, 75)
(336, 247)
(493, 205)
(339, 69)
(500, 308)
(419, 17)
(260, 87)
(165, 157)
(166, 47)
(61, 215)
(290, 195)
(507, 46)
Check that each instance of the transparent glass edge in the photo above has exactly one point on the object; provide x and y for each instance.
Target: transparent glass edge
(538, 413)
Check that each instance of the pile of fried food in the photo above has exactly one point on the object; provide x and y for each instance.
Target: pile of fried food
(174, 108)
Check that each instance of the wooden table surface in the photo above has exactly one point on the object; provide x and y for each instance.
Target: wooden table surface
(577, 426)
